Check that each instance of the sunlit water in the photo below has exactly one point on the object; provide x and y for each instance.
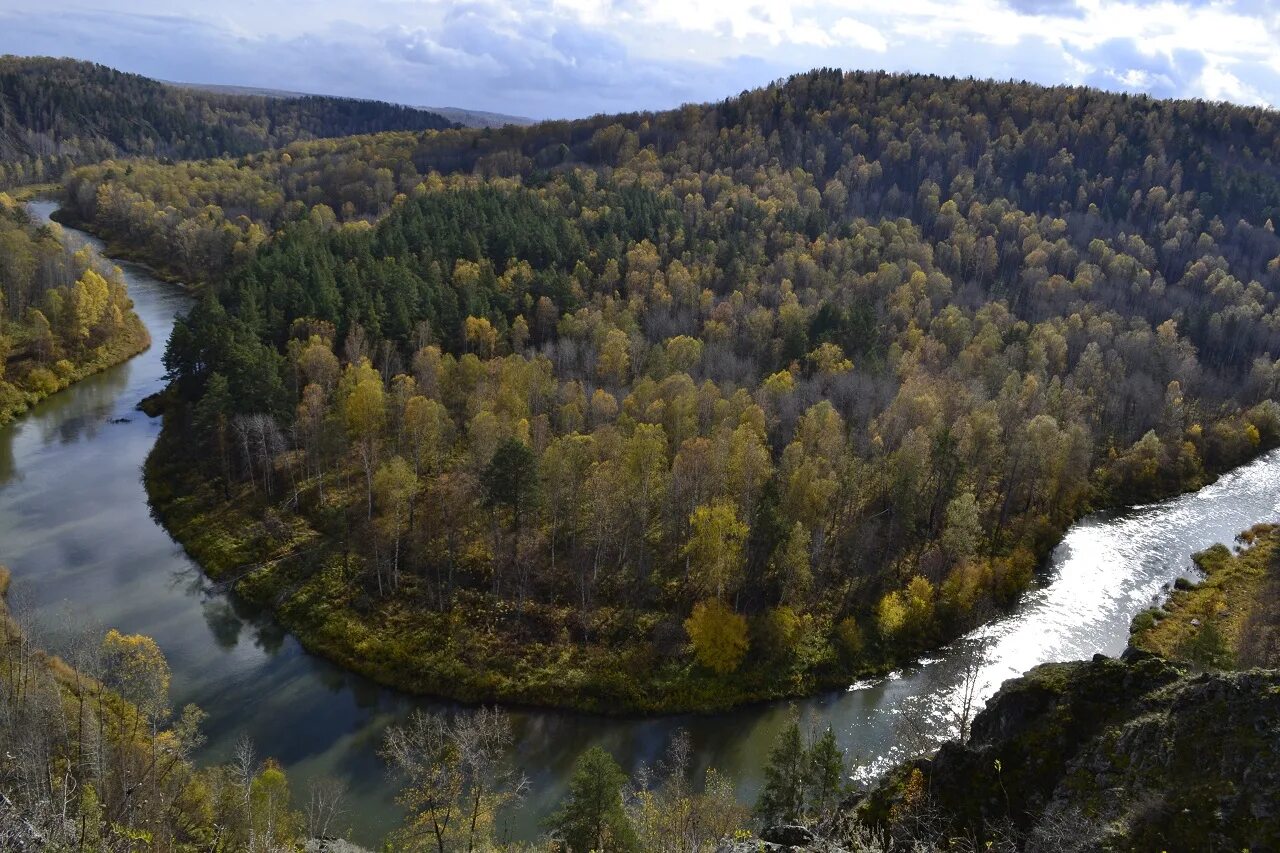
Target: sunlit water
(77, 533)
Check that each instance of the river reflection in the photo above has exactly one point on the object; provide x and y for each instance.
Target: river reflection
(76, 530)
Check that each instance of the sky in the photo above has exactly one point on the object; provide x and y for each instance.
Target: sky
(571, 58)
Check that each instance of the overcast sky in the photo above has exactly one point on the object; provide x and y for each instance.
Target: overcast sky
(568, 58)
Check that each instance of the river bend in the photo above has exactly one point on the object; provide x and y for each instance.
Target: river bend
(84, 549)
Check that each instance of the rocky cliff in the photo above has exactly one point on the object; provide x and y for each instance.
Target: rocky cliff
(1132, 754)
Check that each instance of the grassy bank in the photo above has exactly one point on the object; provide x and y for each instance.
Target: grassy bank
(1229, 619)
(31, 192)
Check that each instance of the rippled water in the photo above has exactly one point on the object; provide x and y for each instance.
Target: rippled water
(77, 533)
(1108, 567)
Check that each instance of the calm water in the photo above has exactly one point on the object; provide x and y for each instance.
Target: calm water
(77, 533)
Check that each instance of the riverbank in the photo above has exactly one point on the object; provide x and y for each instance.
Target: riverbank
(34, 365)
(277, 561)
(153, 265)
(106, 765)
(1135, 754)
(1229, 619)
(1171, 746)
(31, 192)
(120, 348)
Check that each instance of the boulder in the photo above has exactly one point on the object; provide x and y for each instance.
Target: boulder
(788, 835)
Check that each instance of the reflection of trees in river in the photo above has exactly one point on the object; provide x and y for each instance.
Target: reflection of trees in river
(94, 406)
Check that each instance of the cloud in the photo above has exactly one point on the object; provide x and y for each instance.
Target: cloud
(1216, 83)
(860, 34)
(1054, 8)
(569, 58)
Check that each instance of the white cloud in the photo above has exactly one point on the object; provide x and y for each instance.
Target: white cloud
(1140, 79)
(862, 35)
(1218, 84)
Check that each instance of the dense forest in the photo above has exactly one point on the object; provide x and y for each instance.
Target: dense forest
(64, 312)
(57, 113)
(676, 410)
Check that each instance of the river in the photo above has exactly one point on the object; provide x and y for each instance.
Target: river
(84, 549)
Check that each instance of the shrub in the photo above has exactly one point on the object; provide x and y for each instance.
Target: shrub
(719, 635)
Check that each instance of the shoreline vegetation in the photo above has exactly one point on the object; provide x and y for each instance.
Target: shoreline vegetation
(273, 559)
(1131, 753)
(114, 250)
(1230, 618)
(293, 578)
(97, 759)
(122, 251)
(64, 314)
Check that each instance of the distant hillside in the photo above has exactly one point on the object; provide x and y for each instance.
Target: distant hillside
(56, 113)
(480, 118)
(464, 117)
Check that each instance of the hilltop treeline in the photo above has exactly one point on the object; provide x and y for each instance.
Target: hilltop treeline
(678, 409)
(57, 113)
(879, 137)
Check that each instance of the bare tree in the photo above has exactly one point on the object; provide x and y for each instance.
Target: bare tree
(325, 805)
(244, 764)
(925, 722)
(260, 441)
(459, 778)
(967, 695)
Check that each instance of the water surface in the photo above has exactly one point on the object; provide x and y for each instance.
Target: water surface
(76, 530)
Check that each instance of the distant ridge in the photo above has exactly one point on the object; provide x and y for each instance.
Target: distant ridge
(461, 115)
(481, 118)
(59, 113)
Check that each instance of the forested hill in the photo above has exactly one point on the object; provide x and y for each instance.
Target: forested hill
(680, 409)
(464, 117)
(58, 112)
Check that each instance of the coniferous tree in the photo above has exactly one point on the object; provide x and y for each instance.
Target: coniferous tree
(825, 782)
(782, 798)
(592, 817)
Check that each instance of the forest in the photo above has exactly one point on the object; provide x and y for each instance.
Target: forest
(678, 410)
(57, 113)
(64, 312)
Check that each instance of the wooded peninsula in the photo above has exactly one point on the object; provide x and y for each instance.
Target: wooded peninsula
(678, 410)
